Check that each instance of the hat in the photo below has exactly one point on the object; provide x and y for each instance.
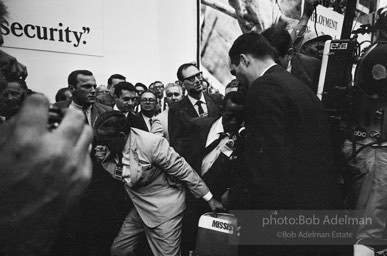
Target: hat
(382, 18)
(311, 38)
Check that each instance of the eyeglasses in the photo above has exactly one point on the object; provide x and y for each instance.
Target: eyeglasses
(176, 94)
(148, 100)
(192, 78)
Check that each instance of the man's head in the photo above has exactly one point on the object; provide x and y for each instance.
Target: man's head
(158, 89)
(250, 55)
(140, 88)
(111, 129)
(173, 93)
(63, 94)
(125, 96)
(282, 42)
(191, 79)
(82, 86)
(12, 94)
(113, 80)
(148, 103)
(101, 89)
(232, 112)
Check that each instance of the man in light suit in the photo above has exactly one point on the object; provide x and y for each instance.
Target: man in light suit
(173, 95)
(153, 174)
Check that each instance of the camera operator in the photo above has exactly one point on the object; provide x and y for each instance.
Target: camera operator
(367, 153)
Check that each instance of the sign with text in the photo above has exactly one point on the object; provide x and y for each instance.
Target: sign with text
(69, 26)
(328, 22)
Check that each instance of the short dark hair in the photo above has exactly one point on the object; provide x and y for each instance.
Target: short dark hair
(73, 77)
(279, 38)
(149, 91)
(115, 76)
(60, 95)
(250, 43)
(234, 97)
(123, 86)
(142, 85)
(114, 121)
(182, 68)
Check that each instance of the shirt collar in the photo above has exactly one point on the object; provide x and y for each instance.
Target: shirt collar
(79, 107)
(193, 100)
(268, 69)
(218, 126)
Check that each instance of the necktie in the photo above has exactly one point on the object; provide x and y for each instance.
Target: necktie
(199, 104)
(150, 121)
(214, 144)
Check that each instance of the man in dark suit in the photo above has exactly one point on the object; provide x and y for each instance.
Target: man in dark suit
(148, 110)
(287, 149)
(305, 68)
(196, 103)
(215, 158)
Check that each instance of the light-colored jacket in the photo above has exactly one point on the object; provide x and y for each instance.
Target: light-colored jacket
(160, 124)
(158, 174)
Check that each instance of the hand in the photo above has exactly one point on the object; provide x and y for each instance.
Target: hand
(42, 173)
(100, 152)
(216, 206)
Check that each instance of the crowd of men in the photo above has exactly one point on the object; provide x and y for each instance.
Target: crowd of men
(162, 155)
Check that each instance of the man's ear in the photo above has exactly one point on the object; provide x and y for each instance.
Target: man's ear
(71, 88)
(244, 60)
(290, 52)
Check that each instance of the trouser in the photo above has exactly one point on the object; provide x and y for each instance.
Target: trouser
(368, 173)
(163, 239)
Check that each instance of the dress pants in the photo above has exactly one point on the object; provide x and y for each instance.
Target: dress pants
(163, 239)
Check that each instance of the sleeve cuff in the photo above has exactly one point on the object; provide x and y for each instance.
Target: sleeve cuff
(208, 196)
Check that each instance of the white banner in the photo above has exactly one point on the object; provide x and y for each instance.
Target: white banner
(71, 26)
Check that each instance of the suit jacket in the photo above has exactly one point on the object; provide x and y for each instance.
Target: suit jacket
(287, 149)
(96, 109)
(160, 124)
(157, 172)
(180, 115)
(137, 121)
(307, 69)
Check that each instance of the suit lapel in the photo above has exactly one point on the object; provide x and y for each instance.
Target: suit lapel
(188, 107)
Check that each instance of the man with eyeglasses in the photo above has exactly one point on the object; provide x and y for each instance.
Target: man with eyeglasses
(196, 103)
(158, 88)
(148, 109)
(173, 95)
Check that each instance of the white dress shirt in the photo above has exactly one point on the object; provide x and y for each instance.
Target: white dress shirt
(213, 134)
(204, 104)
